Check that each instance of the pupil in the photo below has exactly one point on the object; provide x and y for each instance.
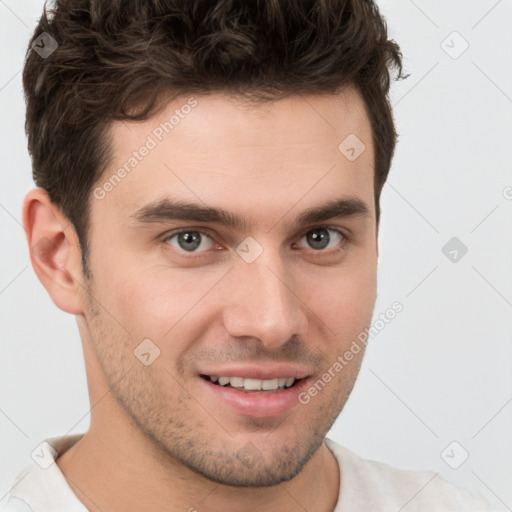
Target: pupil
(191, 237)
(319, 241)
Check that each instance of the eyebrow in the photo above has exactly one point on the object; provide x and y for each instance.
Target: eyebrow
(166, 209)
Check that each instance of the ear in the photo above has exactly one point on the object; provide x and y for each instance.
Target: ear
(54, 251)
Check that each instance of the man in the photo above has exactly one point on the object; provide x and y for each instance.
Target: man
(208, 177)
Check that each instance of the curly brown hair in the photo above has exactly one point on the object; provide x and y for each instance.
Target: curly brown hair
(115, 59)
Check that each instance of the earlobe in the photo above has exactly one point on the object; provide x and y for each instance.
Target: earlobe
(54, 251)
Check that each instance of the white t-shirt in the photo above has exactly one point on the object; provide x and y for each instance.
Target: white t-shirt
(365, 486)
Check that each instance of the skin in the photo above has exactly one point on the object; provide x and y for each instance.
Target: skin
(154, 442)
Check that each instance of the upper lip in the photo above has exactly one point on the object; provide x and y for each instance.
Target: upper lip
(258, 372)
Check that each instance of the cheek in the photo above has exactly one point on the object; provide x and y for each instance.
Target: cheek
(345, 304)
(159, 302)
(149, 309)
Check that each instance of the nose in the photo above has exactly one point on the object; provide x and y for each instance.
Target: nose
(263, 303)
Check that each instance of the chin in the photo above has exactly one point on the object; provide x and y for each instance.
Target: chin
(248, 466)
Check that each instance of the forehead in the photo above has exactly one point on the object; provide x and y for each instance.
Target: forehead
(260, 160)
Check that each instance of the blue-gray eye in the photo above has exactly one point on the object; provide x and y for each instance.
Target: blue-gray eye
(319, 238)
(189, 240)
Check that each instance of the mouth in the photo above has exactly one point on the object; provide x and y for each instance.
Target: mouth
(255, 390)
(249, 396)
(250, 385)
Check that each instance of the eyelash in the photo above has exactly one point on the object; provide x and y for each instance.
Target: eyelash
(345, 239)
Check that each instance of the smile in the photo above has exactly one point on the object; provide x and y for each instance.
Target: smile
(251, 385)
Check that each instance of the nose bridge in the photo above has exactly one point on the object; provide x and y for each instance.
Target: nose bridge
(264, 304)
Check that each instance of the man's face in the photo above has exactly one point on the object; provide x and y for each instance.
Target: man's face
(274, 298)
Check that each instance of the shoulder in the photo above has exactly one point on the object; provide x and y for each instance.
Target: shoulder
(375, 485)
(11, 503)
(15, 505)
(41, 485)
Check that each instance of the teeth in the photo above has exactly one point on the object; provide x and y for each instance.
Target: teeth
(269, 384)
(255, 384)
(236, 382)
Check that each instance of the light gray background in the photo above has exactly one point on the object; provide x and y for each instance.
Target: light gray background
(441, 371)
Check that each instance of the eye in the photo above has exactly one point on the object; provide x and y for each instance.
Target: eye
(197, 241)
(323, 238)
(189, 240)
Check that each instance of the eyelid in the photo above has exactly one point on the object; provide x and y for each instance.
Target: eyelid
(343, 231)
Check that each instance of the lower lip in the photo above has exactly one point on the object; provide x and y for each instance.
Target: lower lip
(254, 404)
